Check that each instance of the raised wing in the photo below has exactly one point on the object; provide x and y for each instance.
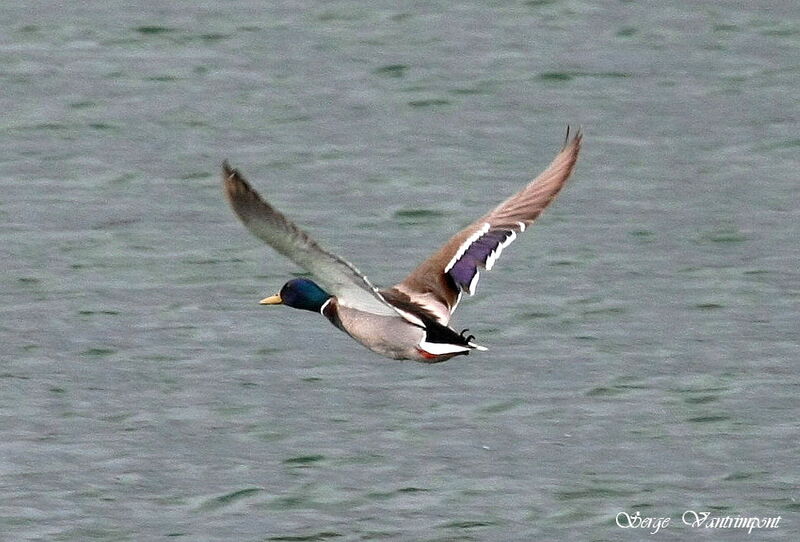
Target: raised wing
(336, 275)
(437, 284)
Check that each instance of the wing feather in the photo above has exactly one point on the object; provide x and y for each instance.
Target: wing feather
(335, 274)
(437, 283)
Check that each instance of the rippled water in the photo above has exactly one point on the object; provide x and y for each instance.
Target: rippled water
(643, 336)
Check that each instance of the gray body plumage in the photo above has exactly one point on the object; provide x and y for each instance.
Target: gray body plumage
(390, 336)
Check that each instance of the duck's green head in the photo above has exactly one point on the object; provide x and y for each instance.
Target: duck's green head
(300, 294)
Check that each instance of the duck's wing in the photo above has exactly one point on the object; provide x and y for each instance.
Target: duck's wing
(336, 275)
(437, 284)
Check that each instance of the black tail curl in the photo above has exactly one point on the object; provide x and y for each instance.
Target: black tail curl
(468, 338)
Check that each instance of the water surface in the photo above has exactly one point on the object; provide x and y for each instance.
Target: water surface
(643, 335)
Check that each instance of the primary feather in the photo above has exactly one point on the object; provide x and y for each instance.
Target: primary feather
(338, 276)
(438, 283)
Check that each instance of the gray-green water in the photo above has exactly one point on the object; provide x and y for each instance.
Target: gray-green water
(643, 335)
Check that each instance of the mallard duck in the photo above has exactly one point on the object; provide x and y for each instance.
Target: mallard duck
(410, 319)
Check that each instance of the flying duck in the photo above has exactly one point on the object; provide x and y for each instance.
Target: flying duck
(410, 319)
